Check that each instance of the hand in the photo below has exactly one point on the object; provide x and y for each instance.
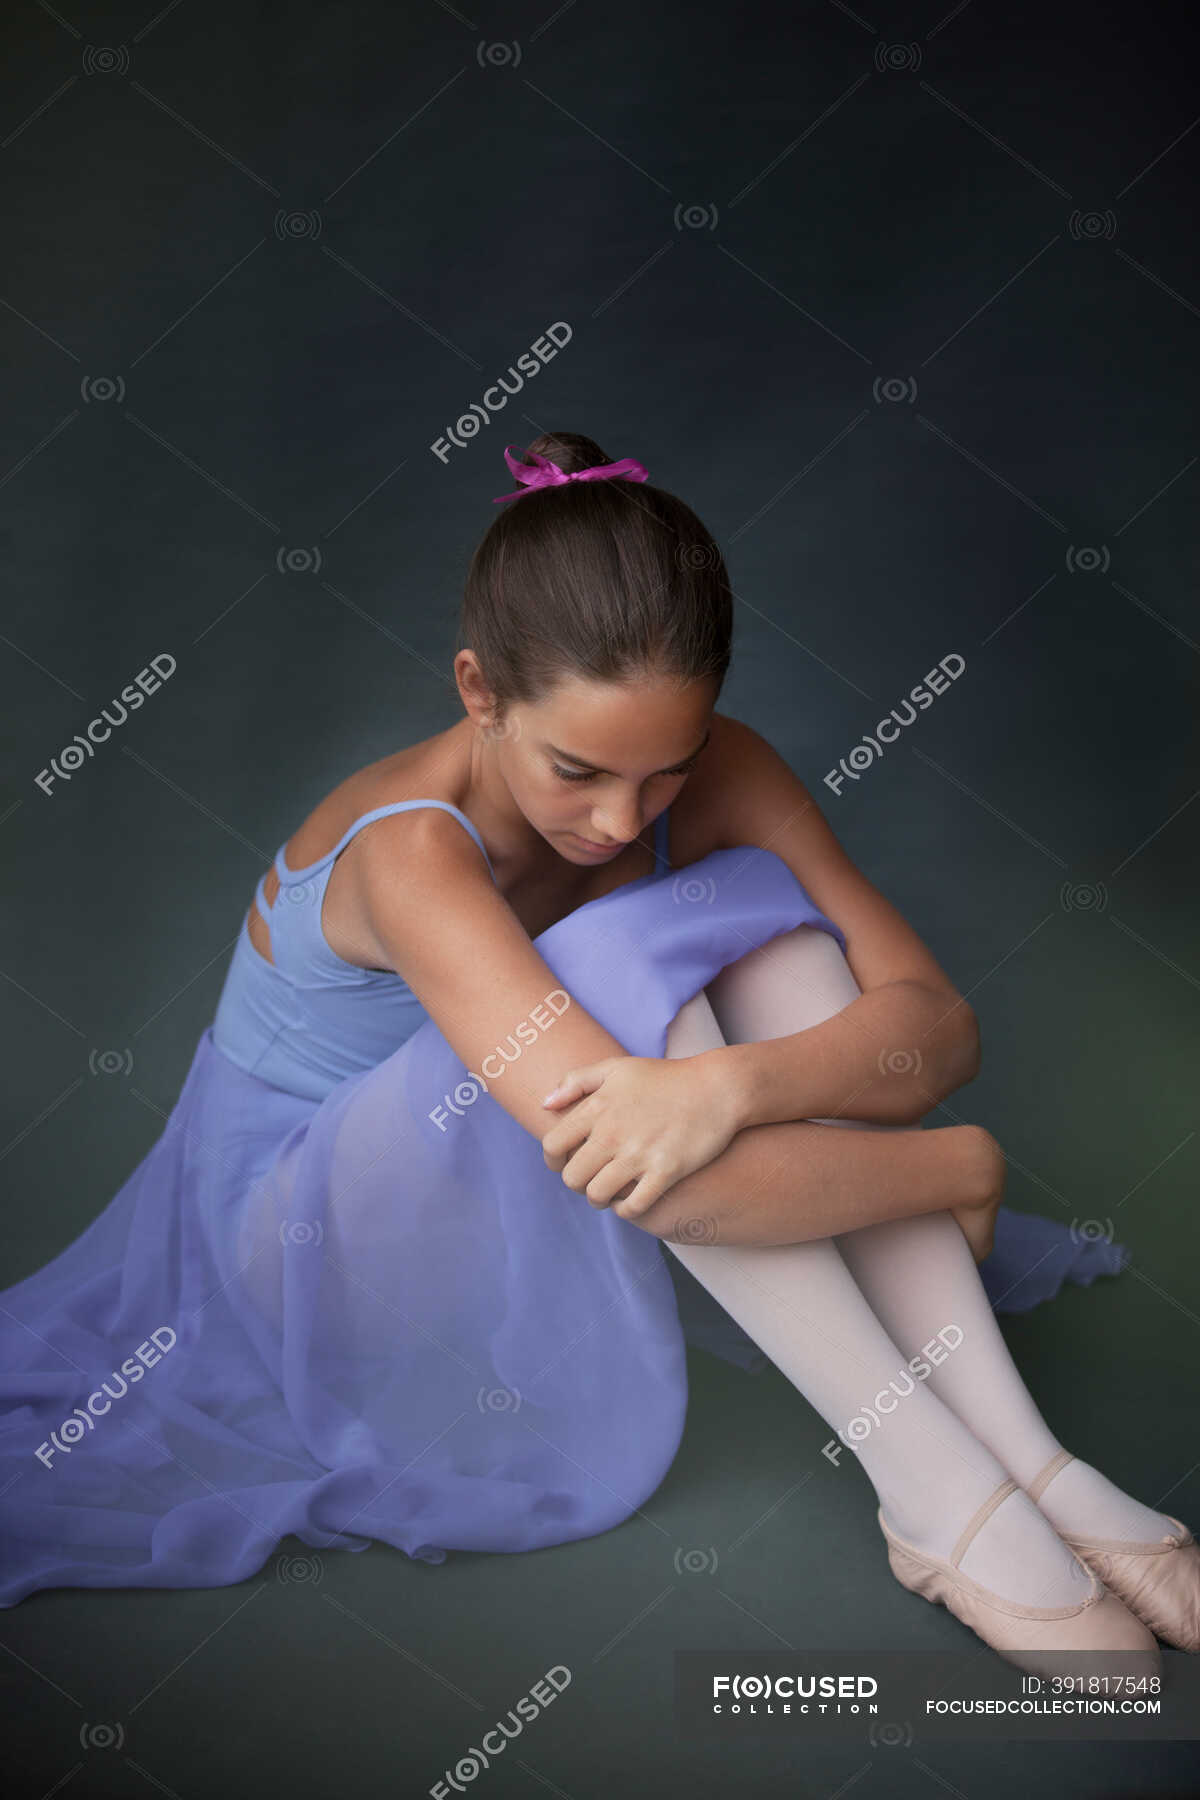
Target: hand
(977, 1219)
(979, 1226)
(638, 1125)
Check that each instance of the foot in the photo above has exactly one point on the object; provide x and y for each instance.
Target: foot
(1015, 1552)
(1156, 1575)
(1034, 1636)
(1081, 1502)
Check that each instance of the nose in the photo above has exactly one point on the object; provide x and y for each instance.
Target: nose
(612, 828)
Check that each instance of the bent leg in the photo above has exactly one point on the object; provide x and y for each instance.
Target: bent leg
(918, 1275)
(801, 1304)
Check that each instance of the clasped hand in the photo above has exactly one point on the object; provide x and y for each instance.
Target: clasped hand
(639, 1124)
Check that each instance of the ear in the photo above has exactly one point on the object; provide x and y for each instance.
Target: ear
(473, 690)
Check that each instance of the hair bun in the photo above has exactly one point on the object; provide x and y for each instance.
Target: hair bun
(567, 450)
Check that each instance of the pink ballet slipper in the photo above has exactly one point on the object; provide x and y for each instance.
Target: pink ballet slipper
(1032, 1637)
(1160, 1582)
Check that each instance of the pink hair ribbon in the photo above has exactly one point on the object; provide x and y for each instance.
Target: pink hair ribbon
(545, 473)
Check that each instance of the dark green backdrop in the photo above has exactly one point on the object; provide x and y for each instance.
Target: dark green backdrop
(907, 307)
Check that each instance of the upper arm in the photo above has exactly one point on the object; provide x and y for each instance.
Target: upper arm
(759, 800)
(445, 928)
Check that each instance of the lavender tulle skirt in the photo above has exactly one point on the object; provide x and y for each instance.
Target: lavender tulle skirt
(379, 1315)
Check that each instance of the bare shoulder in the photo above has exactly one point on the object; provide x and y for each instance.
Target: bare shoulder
(424, 847)
(403, 868)
(428, 771)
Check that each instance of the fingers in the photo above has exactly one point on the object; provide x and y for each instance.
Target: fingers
(642, 1197)
(583, 1169)
(569, 1134)
(601, 1177)
(614, 1178)
(630, 1193)
(577, 1082)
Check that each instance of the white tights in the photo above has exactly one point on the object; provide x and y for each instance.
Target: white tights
(841, 1317)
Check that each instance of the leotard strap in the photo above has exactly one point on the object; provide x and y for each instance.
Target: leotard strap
(287, 876)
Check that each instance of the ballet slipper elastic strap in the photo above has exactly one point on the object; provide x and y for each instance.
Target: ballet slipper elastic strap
(1045, 1476)
(985, 1512)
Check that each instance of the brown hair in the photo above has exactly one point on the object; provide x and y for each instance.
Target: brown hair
(607, 580)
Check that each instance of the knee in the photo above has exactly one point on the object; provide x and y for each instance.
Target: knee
(795, 980)
(694, 1028)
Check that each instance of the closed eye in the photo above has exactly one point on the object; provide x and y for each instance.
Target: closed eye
(590, 774)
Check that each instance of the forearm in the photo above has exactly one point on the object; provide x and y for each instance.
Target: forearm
(889, 1057)
(790, 1183)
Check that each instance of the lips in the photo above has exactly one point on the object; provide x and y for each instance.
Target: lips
(605, 849)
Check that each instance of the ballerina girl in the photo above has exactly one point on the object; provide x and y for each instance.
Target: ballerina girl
(481, 1050)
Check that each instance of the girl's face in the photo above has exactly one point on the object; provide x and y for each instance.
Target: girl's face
(595, 762)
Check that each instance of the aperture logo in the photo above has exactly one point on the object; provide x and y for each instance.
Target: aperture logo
(83, 745)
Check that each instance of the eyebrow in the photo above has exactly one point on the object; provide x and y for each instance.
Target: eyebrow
(569, 756)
